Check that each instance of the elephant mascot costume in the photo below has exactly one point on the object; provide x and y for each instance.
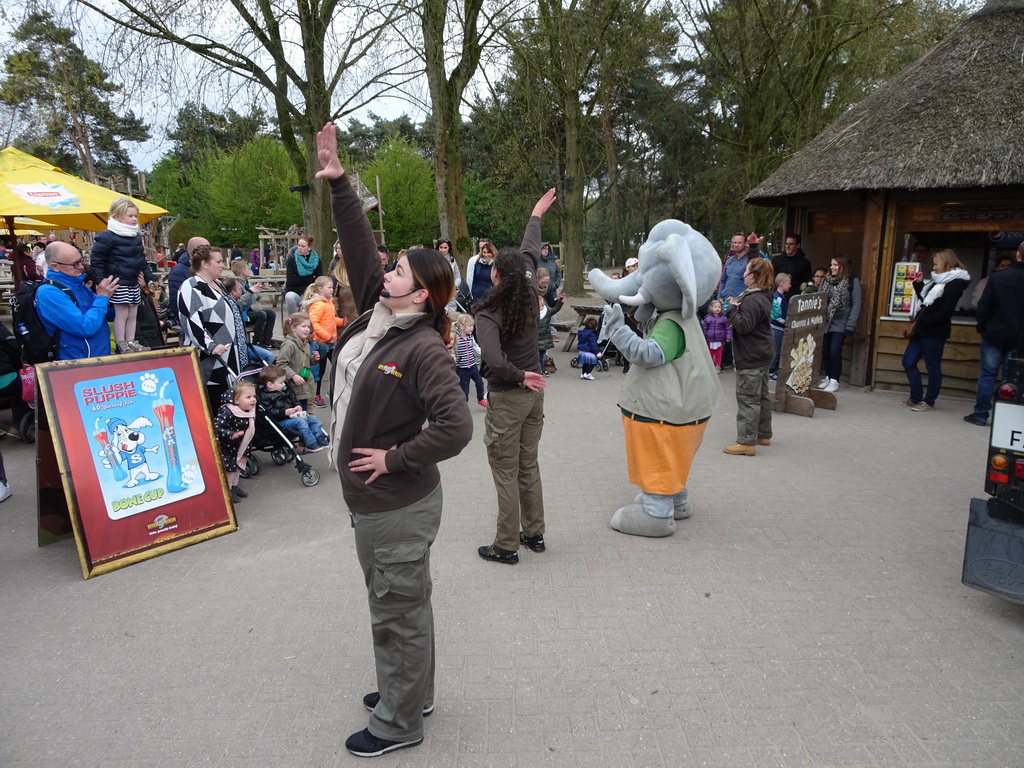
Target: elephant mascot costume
(672, 387)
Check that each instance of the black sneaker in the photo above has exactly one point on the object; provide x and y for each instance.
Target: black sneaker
(243, 494)
(971, 418)
(499, 555)
(535, 543)
(371, 700)
(235, 495)
(365, 744)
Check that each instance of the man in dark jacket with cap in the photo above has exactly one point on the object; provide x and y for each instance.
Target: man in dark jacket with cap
(1000, 323)
(794, 263)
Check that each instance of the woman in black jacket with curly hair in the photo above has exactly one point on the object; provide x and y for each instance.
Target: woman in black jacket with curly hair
(506, 329)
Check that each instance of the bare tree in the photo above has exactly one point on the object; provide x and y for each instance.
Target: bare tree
(566, 45)
(455, 35)
(315, 61)
(446, 92)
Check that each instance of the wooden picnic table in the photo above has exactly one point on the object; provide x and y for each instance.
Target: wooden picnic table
(583, 311)
(272, 292)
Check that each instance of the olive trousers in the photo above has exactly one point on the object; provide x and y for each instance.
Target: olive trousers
(512, 429)
(394, 552)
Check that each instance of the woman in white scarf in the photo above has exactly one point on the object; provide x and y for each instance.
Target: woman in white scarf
(932, 326)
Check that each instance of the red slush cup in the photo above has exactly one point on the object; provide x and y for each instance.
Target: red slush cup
(164, 411)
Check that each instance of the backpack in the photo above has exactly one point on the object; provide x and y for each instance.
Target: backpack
(37, 346)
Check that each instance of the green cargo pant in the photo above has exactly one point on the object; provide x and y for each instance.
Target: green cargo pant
(394, 552)
(513, 425)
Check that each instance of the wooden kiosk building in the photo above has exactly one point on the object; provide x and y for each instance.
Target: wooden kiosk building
(935, 156)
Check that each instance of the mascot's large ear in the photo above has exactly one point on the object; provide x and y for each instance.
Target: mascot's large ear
(675, 252)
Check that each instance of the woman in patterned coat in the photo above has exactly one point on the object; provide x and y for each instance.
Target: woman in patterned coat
(208, 324)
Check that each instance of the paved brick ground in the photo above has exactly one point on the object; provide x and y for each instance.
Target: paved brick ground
(810, 613)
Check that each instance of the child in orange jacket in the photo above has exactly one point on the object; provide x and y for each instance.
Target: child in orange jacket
(320, 306)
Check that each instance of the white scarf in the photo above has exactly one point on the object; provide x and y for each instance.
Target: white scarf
(122, 229)
(933, 291)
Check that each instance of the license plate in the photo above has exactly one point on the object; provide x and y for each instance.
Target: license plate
(1008, 427)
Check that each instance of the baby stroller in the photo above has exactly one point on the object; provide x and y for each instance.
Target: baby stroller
(22, 389)
(277, 441)
(463, 297)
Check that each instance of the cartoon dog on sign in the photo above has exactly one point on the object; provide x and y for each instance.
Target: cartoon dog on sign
(128, 440)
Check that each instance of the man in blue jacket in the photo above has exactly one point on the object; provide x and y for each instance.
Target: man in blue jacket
(83, 320)
(741, 250)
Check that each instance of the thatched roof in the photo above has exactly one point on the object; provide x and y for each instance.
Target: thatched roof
(953, 119)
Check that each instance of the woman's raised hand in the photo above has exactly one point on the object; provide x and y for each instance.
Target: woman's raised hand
(327, 153)
(544, 203)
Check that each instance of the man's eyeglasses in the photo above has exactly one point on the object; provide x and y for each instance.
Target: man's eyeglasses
(72, 264)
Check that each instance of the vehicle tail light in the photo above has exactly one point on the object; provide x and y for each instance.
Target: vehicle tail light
(1007, 391)
(1018, 469)
(998, 477)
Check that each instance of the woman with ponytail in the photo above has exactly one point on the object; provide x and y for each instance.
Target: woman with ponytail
(506, 329)
(396, 411)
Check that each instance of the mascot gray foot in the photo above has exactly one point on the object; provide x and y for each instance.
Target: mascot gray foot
(632, 519)
(681, 506)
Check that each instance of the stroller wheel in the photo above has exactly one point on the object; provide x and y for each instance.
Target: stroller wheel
(310, 477)
(604, 364)
(575, 362)
(281, 456)
(254, 465)
(245, 471)
(28, 427)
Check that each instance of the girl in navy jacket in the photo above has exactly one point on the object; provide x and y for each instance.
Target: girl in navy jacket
(586, 342)
(118, 251)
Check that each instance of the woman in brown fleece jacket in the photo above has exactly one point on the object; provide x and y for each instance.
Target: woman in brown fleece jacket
(397, 410)
(506, 328)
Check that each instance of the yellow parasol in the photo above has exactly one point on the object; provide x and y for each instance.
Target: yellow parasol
(31, 187)
(26, 226)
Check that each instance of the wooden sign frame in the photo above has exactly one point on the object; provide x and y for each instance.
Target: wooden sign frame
(138, 460)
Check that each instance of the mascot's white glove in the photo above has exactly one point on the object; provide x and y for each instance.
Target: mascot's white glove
(613, 320)
(642, 352)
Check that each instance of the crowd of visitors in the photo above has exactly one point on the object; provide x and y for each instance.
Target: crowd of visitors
(400, 341)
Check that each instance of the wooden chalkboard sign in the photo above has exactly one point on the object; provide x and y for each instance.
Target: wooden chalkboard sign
(800, 361)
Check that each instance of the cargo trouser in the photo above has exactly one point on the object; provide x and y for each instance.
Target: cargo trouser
(513, 425)
(753, 406)
(394, 552)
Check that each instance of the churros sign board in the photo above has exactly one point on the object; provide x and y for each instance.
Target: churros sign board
(141, 471)
(801, 357)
